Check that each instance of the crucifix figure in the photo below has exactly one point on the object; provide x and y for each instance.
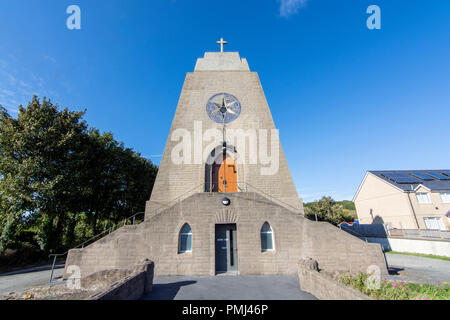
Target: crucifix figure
(221, 42)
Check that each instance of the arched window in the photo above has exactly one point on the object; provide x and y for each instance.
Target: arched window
(185, 240)
(266, 237)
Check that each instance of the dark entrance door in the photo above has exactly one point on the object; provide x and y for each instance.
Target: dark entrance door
(226, 248)
(215, 177)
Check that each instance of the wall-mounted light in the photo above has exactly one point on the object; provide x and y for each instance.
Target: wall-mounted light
(226, 201)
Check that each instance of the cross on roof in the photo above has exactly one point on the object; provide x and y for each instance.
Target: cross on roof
(221, 42)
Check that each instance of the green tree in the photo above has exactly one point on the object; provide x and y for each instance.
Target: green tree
(63, 181)
(118, 180)
(327, 210)
(38, 156)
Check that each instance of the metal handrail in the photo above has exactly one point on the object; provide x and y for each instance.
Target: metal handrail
(109, 230)
(273, 198)
(162, 208)
(174, 201)
(353, 232)
(201, 187)
(291, 207)
(419, 233)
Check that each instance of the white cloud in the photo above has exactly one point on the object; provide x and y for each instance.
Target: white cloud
(290, 7)
(4, 92)
(18, 84)
(13, 110)
(49, 58)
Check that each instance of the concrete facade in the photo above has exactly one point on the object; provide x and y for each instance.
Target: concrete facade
(157, 239)
(179, 196)
(221, 61)
(378, 201)
(216, 73)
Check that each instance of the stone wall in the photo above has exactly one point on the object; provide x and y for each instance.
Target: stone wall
(131, 287)
(116, 251)
(336, 250)
(294, 236)
(322, 286)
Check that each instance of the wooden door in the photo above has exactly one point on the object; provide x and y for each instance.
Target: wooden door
(227, 180)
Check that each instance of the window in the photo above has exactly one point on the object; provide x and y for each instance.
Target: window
(423, 198)
(185, 240)
(266, 237)
(445, 196)
(434, 223)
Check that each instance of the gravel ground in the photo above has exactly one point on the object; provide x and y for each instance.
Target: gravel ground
(418, 269)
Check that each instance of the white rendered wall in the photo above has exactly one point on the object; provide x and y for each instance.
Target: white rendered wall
(437, 248)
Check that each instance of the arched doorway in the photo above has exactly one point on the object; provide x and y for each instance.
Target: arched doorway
(224, 176)
(221, 174)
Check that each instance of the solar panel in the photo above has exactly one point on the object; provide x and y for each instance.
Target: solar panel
(401, 177)
(438, 176)
(447, 173)
(422, 176)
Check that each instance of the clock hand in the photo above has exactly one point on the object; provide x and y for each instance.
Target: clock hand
(217, 105)
(231, 111)
(215, 111)
(230, 104)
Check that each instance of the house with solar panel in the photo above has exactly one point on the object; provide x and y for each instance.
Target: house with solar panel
(413, 199)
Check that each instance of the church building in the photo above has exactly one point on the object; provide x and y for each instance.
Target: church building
(224, 201)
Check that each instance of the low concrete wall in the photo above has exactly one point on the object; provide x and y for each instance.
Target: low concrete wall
(104, 279)
(294, 236)
(337, 250)
(322, 286)
(131, 287)
(434, 247)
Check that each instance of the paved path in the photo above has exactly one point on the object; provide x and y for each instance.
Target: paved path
(227, 288)
(418, 269)
(409, 268)
(21, 280)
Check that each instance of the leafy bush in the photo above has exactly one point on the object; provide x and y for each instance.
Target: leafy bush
(395, 290)
(327, 209)
(25, 255)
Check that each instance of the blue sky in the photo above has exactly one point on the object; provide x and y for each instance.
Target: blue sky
(345, 99)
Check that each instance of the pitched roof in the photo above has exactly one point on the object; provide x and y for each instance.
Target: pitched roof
(409, 180)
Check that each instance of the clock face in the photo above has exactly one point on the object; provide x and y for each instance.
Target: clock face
(223, 108)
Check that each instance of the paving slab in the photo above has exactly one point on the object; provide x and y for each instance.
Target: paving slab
(227, 287)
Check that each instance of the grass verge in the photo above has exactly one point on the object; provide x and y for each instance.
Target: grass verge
(421, 255)
(394, 290)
